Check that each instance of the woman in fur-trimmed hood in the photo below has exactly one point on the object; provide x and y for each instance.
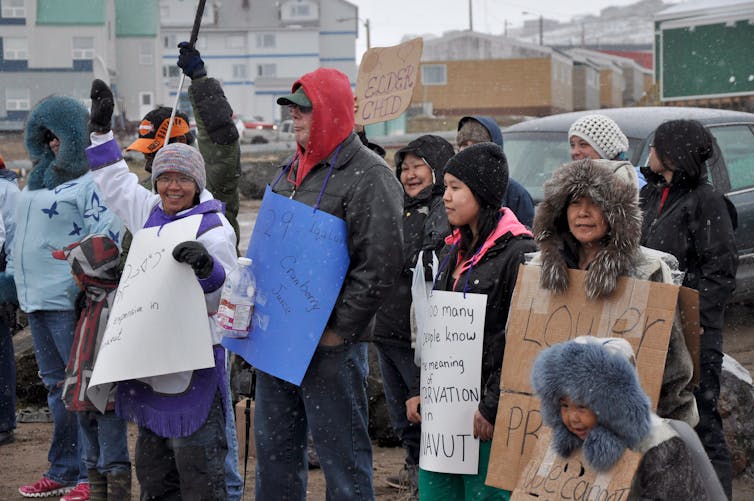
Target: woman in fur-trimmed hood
(614, 255)
(592, 399)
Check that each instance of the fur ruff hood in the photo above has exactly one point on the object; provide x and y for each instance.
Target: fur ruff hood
(604, 381)
(609, 185)
(67, 118)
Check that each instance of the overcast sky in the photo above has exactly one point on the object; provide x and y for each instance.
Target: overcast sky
(391, 19)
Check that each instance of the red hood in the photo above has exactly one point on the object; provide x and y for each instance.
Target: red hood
(329, 90)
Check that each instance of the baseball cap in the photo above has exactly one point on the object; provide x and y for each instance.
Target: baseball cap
(298, 97)
(154, 126)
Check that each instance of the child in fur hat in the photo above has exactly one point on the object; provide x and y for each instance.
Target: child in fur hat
(591, 398)
(482, 255)
(95, 267)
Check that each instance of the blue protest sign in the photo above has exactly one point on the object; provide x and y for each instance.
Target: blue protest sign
(300, 259)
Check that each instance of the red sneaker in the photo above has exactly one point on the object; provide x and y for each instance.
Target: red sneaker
(78, 493)
(43, 488)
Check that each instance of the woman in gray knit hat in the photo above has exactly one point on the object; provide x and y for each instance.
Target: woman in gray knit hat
(589, 219)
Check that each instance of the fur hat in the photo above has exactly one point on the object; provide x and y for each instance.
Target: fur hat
(182, 158)
(484, 169)
(470, 129)
(597, 373)
(610, 186)
(67, 118)
(602, 133)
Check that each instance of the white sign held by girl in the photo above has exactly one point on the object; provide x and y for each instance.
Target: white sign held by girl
(451, 363)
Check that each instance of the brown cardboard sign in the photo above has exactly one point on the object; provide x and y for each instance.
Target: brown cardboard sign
(551, 477)
(387, 76)
(639, 311)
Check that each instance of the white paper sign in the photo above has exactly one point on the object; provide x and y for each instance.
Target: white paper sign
(158, 324)
(451, 371)
(420, 290)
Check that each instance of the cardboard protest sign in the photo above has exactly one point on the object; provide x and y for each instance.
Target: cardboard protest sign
(551, 477)
(639, 311)
(300, 259)
(386, 81)
(451, 371)
(158, 324)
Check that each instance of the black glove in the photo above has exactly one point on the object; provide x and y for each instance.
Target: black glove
(195, 255)
(190, 61)
(102, 107)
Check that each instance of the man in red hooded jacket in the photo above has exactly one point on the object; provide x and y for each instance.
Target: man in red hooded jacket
(334, 171)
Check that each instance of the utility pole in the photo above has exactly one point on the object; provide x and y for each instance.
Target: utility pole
(541, 24)
(369, 36)
(471, 18)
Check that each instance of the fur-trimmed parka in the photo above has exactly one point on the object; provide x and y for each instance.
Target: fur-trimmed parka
(607, 383)
(610, 185)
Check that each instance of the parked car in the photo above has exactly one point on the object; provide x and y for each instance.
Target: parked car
(257, 130)
(536, 147)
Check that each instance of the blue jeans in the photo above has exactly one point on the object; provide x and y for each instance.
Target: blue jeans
(105, 442)
(52, 332)
(7, 380)
(332, 403)
(398, 373)
(233, 480)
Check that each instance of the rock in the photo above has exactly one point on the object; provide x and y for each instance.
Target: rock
(736, 406)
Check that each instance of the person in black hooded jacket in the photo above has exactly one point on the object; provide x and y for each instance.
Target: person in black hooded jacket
(419, 167)
(686, 217)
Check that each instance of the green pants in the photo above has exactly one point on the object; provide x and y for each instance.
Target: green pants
(455, 487)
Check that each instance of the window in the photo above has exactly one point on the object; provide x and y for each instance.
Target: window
(265, 40)
(15, 48)
(239, 71)
(434, 74)
(234, 42)
(299, 10)
(266, 70)
(17, 99)
(736, 144)
(146, 98)
(13, 8)
(171, 71)
(146, 53)
(169, 42)
(83, 47)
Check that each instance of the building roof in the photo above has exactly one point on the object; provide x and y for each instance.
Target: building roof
(703, 7)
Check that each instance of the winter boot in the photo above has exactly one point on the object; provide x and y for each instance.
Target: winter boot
(97, 485)
(119, 486)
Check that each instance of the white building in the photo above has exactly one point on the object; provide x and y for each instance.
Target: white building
(257, 48)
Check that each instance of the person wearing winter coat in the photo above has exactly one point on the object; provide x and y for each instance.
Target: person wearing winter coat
(597, 136)
(181, 446)
(58, 206)
(8, 198)
(686, 217)
(481, 255)
(592, 400)
(479, 129)
(334, 172)
(95, 265)
(419, 168)
(589, 219)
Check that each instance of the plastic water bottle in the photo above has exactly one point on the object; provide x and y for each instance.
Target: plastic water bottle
(237, 300)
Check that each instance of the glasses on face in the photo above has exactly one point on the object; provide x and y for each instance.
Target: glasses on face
(49, 136)
(301, 109)
(183, 181)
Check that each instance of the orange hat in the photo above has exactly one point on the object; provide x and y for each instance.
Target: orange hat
(153, 128)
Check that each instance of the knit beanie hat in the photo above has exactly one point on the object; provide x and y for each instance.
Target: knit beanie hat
(470, 129)
(484, 169)
(182, 158)
(602, 134)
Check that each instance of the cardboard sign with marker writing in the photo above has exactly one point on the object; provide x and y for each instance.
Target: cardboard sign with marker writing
(551, 477)
(639, 311)
(387, 76)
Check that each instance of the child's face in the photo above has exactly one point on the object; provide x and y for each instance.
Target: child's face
(579, 419)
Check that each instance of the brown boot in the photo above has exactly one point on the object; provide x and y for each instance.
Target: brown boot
(97, 486)
(119, 486)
